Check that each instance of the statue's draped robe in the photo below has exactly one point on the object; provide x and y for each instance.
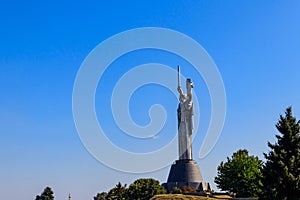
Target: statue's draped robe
(185, 128)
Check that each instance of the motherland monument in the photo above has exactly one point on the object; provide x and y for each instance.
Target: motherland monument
(185, 171)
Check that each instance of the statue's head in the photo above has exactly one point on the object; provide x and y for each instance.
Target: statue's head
(189, 84)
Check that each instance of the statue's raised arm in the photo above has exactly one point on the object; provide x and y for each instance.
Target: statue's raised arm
(185, 120)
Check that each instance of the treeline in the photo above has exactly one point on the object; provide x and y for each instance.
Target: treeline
(242, 175)
(142, 189)
(278, 178)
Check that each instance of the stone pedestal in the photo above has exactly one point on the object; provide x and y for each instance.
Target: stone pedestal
(185, 173)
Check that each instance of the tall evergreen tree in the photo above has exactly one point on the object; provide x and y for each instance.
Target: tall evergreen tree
(281, 172)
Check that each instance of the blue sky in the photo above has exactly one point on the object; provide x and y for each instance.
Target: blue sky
(255, 45)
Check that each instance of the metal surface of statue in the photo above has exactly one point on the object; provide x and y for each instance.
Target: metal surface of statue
(185, 120)
(185, 171)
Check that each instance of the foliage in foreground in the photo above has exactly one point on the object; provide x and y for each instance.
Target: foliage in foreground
(281, 172)
(144, 189)
(47, 194)
(101, 196)
(179, 197)
(117, 193)
(241, 174)
(141, 189)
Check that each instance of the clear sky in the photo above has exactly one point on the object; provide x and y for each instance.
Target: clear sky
(255, 45)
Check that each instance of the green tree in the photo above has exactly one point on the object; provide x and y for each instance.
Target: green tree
(144, 189)
(241, 174)
(117, 193)
(101, 196)
(281, 172)
(38, 197)
(47, 194)
(177, 190)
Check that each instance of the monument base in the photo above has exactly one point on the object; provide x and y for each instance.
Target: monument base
(185, 173)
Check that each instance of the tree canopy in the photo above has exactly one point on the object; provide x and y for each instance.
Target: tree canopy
(117, 193)
(281, 172)
(241, 174)
(101, 196)
(144, 189)
(47, 194)
(141, 189)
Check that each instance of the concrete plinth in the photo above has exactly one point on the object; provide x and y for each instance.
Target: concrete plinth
(185, 173)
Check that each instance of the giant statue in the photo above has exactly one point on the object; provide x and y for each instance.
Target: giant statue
(185, 171)
(185, 120)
